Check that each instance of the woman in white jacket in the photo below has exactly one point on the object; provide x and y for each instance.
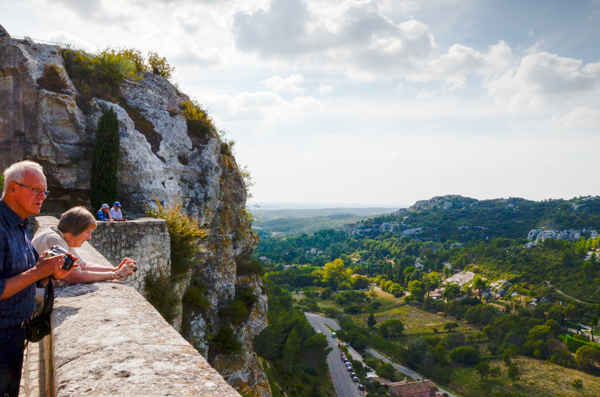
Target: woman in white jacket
(75, 228)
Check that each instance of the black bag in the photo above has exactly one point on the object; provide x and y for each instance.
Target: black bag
(41, 325)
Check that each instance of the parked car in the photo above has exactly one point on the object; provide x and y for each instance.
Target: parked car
(333, 335)
(349, 369)
(355, 379)
(352, 375)
(361, 386)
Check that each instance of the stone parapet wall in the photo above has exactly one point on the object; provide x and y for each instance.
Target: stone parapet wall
(107, 340)
(145, 240)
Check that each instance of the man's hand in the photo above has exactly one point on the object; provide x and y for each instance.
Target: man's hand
(46, 266)
(50, 265)
(61, 273)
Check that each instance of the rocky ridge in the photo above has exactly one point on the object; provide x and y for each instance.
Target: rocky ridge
(169, 166)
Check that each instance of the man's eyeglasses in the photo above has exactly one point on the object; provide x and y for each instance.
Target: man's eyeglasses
(36, 191)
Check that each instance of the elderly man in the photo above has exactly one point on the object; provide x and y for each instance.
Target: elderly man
(20, 266)
(115, 212)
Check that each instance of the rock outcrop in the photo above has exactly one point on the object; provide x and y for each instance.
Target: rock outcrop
(539, 235)
(165, 163)
(442, 203)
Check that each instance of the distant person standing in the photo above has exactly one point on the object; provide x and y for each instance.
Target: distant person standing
(104, 213)
(20, 266)
(115, 212)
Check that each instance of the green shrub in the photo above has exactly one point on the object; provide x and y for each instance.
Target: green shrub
(1, 183)
(238, 310)
(185, 235)
(194, 297)
(226, 148)
(391, 327)
(160, 65)
(248, 266)
(224, 342)
(136, 58)
(103, 183)
(52, 80)
(465, 355)
(98, 76)
(160, 292)
(573, 343)
(353, 309)
(198, 121)
(245, 294)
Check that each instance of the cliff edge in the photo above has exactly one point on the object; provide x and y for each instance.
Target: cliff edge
(159, 160)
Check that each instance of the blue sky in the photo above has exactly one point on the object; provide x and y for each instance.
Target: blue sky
(380, 102)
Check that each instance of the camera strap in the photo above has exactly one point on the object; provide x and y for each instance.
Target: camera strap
(40, 325)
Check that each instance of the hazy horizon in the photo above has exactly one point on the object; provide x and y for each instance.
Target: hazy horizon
(316, 205)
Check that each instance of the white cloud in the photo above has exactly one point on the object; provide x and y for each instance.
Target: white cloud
(199, 55)
(63, 37)
(425, 95)
(580, 117)
(324, 89)
(85, 8)
(290, 84)
(265, 106)
(352, 35)
(545, 78)
(460, 60)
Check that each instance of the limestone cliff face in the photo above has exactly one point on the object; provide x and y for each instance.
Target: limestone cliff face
(166, 163)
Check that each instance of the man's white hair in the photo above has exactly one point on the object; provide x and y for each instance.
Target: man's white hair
(17, 172)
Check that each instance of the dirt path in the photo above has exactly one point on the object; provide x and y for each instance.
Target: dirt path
(562, 293)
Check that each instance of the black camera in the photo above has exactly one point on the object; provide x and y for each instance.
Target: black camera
(69, 261)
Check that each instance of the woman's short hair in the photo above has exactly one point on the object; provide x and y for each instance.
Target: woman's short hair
(17, 171)
(76, 221)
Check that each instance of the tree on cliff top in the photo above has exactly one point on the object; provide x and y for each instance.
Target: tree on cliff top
(103, 185)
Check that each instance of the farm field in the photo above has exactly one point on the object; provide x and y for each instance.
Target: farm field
(538, 378)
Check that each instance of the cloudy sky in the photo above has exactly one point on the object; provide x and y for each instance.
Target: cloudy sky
(373, 102)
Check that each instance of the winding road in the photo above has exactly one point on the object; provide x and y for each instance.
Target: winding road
(344, 385)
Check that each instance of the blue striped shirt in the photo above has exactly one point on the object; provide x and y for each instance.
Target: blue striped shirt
(16, 256)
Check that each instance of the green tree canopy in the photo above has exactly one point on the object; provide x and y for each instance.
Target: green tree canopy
(391, 327)
(513, 372)
(465, 355)
(587, 357)
(416, 289)
(335, 272)
(371, 321)
(451, 291)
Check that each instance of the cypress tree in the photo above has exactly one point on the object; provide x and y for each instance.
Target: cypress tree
(371, 322)
(103, 184)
